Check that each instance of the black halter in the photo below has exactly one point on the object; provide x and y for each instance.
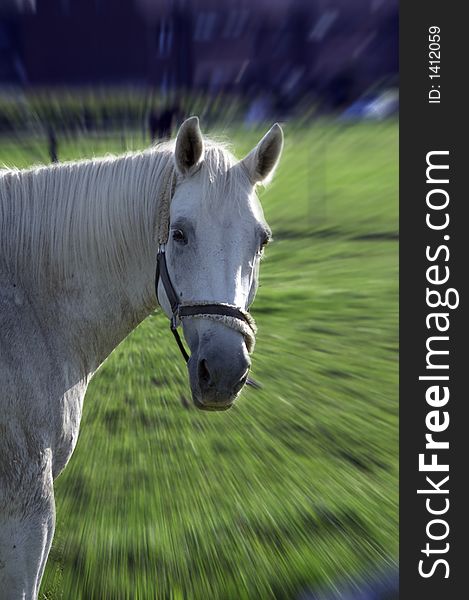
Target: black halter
(179, 311)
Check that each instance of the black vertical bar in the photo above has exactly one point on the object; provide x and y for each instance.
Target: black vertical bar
(426, 127)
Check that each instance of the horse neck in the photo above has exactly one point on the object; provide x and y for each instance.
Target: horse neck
(94, 280)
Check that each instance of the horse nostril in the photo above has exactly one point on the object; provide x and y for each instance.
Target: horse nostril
(241, 382)
(204, 373)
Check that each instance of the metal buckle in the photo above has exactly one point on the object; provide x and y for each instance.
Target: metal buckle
(175, 320)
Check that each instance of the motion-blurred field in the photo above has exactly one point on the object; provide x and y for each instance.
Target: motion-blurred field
(296, 487)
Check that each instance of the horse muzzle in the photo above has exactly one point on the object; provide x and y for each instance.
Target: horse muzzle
(218, 371)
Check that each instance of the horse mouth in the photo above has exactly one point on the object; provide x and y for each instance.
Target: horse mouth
(212, 407)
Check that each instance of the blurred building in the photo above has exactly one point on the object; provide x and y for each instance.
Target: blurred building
(336, 48)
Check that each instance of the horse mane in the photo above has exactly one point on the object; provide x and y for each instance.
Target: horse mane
(100, 213)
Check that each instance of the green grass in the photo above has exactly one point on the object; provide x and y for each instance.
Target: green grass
(296, 487)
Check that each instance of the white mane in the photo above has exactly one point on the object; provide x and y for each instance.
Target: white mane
(54, 220)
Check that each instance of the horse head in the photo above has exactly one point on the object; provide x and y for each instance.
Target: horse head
(216, 235)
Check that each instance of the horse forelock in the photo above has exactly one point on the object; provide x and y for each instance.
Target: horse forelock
(219, 181)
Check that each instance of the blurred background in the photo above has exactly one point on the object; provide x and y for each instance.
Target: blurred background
(293, 493)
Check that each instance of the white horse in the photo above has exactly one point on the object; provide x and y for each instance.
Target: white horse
(78, 244)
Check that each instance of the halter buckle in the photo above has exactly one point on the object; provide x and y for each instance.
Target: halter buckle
(175, 320)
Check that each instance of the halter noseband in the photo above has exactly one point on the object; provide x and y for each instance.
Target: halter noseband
(227, 313)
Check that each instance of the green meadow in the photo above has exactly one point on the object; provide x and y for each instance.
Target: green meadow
(293, 489)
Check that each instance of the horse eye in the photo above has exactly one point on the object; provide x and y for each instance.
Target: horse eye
(179, 236)
(264, 242)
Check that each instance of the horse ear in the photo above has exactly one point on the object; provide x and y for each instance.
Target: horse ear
(189, 146)
(261, 162)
